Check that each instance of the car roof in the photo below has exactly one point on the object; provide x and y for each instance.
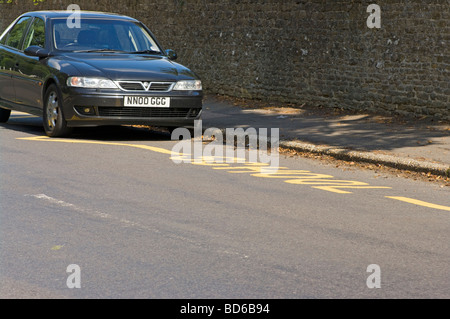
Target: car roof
(53, 14)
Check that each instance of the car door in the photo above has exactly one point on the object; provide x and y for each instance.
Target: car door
(31, 71)
(8, 58)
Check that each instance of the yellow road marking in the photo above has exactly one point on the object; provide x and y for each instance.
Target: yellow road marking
(419, 202)
(296, 177)
(22, 115)
(299, 177)
(48, 139)
(334, 185)
(336, 189)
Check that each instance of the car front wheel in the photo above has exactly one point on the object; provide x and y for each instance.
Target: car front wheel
(55, 124)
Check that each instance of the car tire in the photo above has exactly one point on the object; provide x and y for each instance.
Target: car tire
(55, 124)
(4, 115)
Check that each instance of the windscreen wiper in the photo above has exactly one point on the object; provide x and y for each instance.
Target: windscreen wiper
(99, 50)
(146, 52)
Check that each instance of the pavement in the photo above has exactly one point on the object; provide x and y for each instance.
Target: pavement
(421, 145)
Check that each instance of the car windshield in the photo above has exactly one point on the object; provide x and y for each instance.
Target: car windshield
(97, 35)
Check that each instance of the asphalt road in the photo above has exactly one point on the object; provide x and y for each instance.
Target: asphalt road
(138, 225)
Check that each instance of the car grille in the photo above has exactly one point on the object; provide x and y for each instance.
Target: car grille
(137, 112)
(145, 86)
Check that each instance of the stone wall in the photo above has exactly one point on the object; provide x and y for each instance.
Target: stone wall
(316, 52)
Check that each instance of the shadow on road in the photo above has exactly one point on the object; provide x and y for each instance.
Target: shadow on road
(33, 126)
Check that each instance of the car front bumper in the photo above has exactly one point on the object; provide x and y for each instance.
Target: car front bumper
(83, 108)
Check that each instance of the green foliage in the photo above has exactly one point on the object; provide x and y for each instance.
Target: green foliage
(36, 36)
(16, 33)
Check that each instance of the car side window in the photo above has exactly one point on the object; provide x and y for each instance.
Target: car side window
(17, 32)
(36, 34)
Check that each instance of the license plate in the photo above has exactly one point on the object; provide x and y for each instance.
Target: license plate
(147, 101)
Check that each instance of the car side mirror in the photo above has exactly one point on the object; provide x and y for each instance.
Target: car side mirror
(171, 54)
(37, 51)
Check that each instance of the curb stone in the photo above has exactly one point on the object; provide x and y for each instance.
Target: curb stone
(398, 162)
(403, 163)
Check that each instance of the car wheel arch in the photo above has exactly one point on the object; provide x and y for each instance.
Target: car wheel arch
(46, 85)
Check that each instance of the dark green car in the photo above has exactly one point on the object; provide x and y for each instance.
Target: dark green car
(106, 69)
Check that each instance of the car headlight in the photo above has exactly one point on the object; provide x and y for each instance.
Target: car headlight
(188, 85)
(91, 83)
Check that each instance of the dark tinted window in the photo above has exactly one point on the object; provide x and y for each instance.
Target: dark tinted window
(16, 33)
(36, 35)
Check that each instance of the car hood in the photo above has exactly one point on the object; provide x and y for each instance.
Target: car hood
(129, 67)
